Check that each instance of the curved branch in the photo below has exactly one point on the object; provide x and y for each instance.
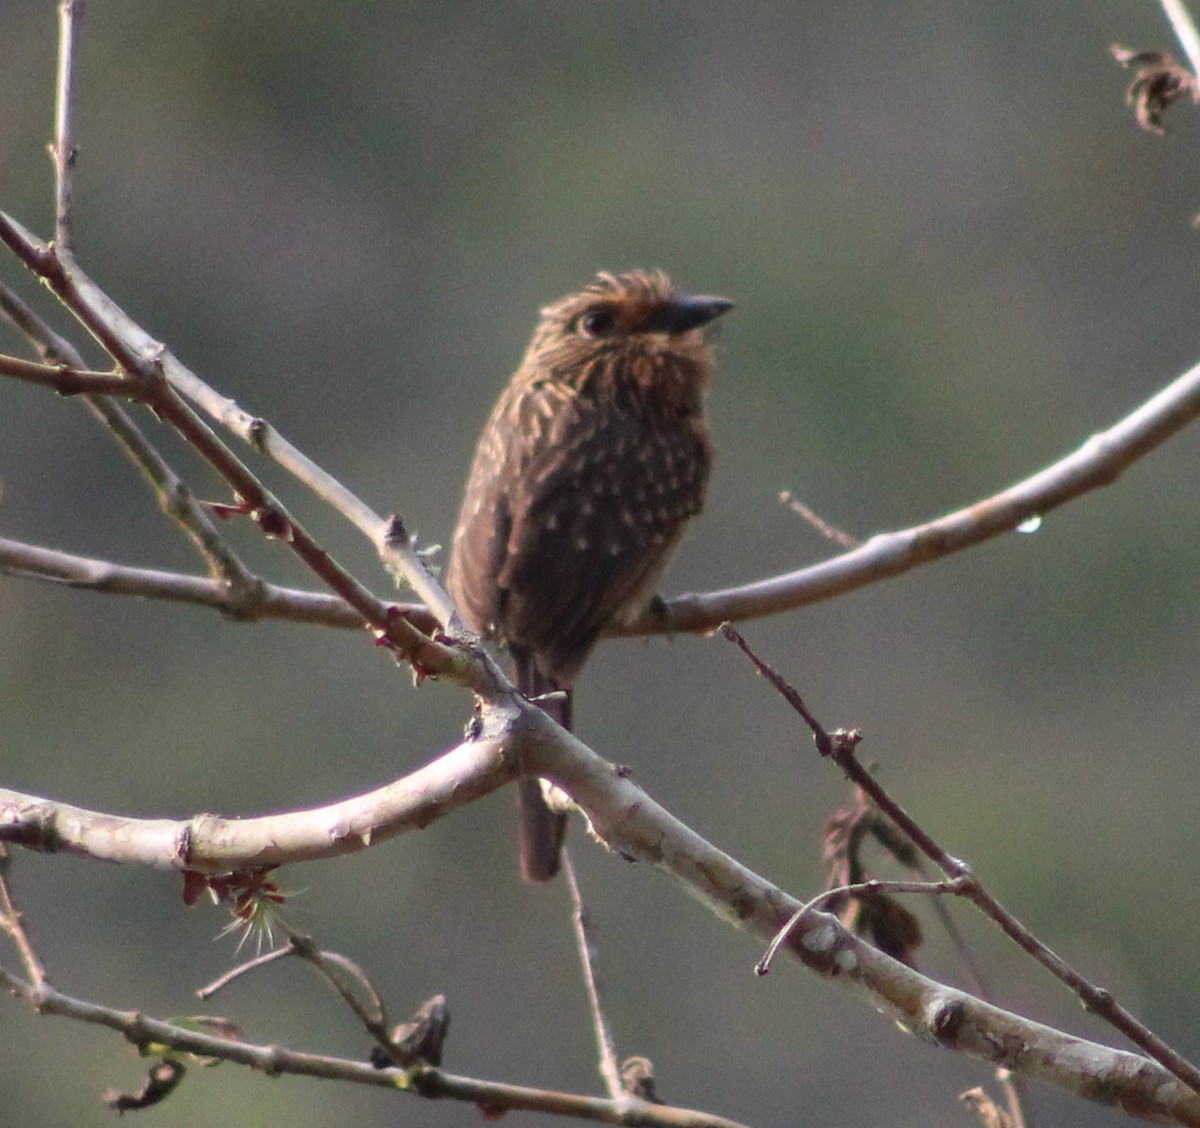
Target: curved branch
(212, 844)
(1097, 462)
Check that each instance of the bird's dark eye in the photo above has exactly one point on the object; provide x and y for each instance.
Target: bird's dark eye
(596, 322)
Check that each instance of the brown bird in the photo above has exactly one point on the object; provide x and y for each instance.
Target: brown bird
(594, 459)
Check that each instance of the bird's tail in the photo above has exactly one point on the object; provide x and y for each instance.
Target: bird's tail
(540, 830)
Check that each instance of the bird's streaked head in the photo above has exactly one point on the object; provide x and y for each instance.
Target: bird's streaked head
(633, 323)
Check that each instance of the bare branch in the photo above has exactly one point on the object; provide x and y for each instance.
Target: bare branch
(175, 499)
(828, 531)
(840, 746)
(63, 151)
(67, 381)
(136, 352)
(243, 603)
(610, 1067)
(12, 922)
(490, 1096)
(1098, 462)
(1185, 30)
(526, 741)
(215, 845)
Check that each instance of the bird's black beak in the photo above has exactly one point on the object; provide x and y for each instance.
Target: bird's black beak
(687, 311)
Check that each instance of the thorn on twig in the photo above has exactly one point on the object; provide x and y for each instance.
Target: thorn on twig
(273, 523)
(1158, 82)
(400, 653)
(226, 511)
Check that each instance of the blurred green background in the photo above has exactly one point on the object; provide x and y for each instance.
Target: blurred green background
(954, 256)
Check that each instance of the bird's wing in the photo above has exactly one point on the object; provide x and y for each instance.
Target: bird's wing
(594, 514)
(485, 522)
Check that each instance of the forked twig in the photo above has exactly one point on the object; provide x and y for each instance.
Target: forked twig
(840, 746)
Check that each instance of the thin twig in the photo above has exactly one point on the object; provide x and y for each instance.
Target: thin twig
(68, 381)
(244, 603)
(840, 746)
(610, 1066)
(371, 1015)
(492, 1097)
(12, 922)
(872, 888)
(261, 960)
(1013, 1095)
(63, 151)
(174, 497)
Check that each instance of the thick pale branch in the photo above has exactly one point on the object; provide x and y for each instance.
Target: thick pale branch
(1185, 30)
(213, 844)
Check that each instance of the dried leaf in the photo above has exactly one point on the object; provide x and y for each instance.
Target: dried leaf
(160, 1083)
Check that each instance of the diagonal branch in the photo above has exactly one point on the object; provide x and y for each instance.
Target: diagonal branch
(840, 746)
(175, 498)
(627, 818)
(146, 360)
(1185, 30)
